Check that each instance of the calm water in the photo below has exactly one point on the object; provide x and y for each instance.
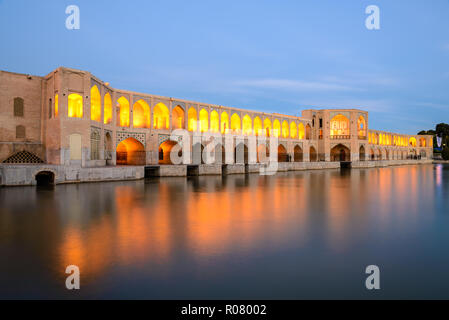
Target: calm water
(293, 235)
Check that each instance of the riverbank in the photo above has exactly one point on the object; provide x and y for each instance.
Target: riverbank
(28, 175)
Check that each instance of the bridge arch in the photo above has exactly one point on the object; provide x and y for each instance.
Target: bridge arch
(130, 152)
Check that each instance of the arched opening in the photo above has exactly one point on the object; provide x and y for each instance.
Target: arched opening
(161, 117)
(301, 131)
(123, 113)
(293, 130)
(192, 119)
(75, 107)
(107, 108)
(75, 146)
(313, 155)
(387, 155)
(298, 154)
(95, 104)
(308, 132)
(224, 122)
(220, 154)
(285, 129)
(108, 145)
(45, 178)
(235, 123)
(131, 152)
(276, 128)
(362, 153)
(282, 154)
(204, 120)
(56, 105)
(141, 114)
(20, 132)
(372, 156)
(165, 151)
(267, 127)
(214, 122)
(178, 121)
(258, 126)
(379, 154)
(361, 127)
(412, 142)
(422, 142)
(340, 153)
(339, 127)
(18, 107)
(247, 125)
(263, 153)
(241, 153)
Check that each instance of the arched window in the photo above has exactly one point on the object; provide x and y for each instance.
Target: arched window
(235, 123)
(361, 127)
(285, 129)
(204, 120)
(247, 125)
(95, 104)
(20, 132)
(267, 127)
(161, 117)
(123, 118)
(18, 107)
(276, 128)
(412, 141)
(293, 130)
(258, 126)
(75, 108)
(340, 127)
(141, 114)
(192, 119)
(301, 131)
(308, 132)
(107, 108)
(56, 105)
(178, 118)
(224, 122)
(214, 122)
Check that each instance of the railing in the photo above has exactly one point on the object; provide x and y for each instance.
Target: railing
(341, 137)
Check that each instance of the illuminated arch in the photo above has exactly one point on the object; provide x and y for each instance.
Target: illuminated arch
(293, 130)
(422, 142)
(224, 122)
(247, 125)
(75, 108)
(258, 126)
(412, 141)
(178, 118)
(301, 131)
(235, 123)
(204, 120)
(130, 152)
(340, 153)
(141, 114)
(308, 132)
(56, 105)
(124, 111)
(267, 127)
(161, 117)
(285, 129)
(362, 153)
(361, 127)
(313, 157)
(276, 128)
(95, 104)
(214, 122)
(107, 108)
(192, 120)
(297, 154)
(339, 126)
(282, 154)
(165, 150)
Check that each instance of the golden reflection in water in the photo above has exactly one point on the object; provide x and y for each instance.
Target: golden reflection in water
(216, 216)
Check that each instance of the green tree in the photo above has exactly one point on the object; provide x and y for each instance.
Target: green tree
(445, 153)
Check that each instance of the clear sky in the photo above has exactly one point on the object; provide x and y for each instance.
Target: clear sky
(274, 56)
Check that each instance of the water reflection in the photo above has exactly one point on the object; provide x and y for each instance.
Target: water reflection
(206, 226)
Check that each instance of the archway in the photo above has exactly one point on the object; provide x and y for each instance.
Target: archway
(235, 123)
(340, 153)
(107, 108)
(192, 120)
(141, 114)
(313, 155)
(178, 118)
(247, 125)
(301, 131)
(308, 132)
(95, 104)
(161, 117)
(130, 152)
(361, 127)
(293, 130)
(108, 145)
(220, 154)
(204, 120)
(263, 153)
(214, 122)
(362, 153)
(276, 128)
(339, 127)
(267, 127)
(123, 113)
(372, 156)
(285, 129)
(224, 122)
(298, 154)
(282, 154)
(45, 178)
(258, 126)
(165, 150)
(75, 106)
(241, 153)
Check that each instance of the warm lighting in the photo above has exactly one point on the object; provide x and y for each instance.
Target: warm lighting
(301, 133)
(247, 125)
(123, 105)
(276, 128)
(141, 114)
(192, 119)
(267, 127)
(161, 117)
(214, 122)
(224, 122)
(178, 118)
(75, 108)
(339, 126)
(204, 120)
(293, 130)
(56, 105)
(285, 129)
(235, 123)
(258, 126)
(361, 126)
(107, 108)
(95, 104)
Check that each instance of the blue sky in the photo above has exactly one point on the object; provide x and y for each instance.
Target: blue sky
(274, 56)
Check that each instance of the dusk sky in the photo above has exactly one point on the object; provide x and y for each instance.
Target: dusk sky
(273, 56)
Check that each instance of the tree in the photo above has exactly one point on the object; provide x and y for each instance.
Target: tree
(445, 153)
